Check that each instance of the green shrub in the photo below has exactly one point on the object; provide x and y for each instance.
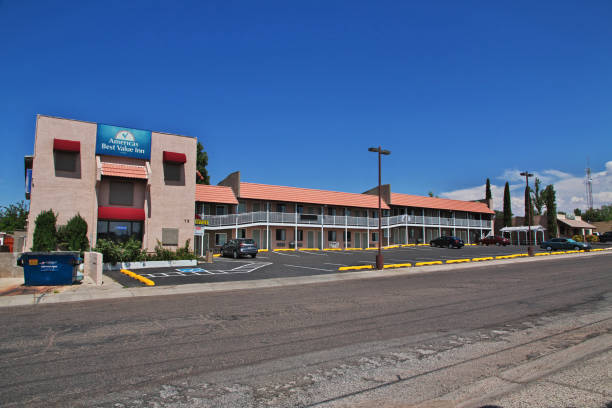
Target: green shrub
(165, 254)
(578, 238)
(73, 235)
(45, 232)
(131, 251)
(113, 252)
(592, 238)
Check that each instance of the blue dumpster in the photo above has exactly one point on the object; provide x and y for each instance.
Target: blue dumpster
(50, 268)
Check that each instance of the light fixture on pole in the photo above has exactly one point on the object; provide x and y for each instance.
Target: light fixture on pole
(379, 258)
(528, 215)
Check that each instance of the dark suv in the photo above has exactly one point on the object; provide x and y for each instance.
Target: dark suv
(444, 241)
(238, 247)
(606, 237)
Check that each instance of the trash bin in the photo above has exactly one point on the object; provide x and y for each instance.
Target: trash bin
(50, 268)
(209, 257)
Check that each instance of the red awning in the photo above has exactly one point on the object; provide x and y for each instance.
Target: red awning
(174, 157)
(121, 213)
(67, 145)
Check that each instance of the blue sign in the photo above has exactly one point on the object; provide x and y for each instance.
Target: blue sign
(125, 142)
(28, 186)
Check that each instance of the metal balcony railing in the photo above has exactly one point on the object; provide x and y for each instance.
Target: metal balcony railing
(262, 217)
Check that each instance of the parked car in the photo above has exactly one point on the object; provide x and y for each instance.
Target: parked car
(494, 240)
(445, 241)
(239, 247)
(605, 237)
(564, 243)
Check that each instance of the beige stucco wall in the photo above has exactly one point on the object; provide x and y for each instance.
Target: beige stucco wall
(170, 206)
(65, 196)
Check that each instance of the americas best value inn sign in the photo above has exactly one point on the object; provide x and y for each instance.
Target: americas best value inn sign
(125, 142)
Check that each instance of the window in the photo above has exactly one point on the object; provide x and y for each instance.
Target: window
(170, 236)
(220, 238)
(348, 236)
(331, 211)
(386, 232)
(65, 161)
(121, 193)
(220, 210)
(331, 235)
(280, 235)
(375, 236)
(241, 207)
(347, 212)
(242, 233)
(119, 231)
(173, 171)
(256, 207)
(281, 208)
(300, 209)
(300, 235)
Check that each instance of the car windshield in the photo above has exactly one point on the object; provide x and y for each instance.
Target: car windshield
(571, 240)
(246, 241)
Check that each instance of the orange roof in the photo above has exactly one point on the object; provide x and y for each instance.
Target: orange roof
(215, 194)
(308, 196)
(124, 170)
(408, 200)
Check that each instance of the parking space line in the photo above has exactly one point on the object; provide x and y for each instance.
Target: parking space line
(328, 263)
(284, 254)
(308, 267)
(312, 253)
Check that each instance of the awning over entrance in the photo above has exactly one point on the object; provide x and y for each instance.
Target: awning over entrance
(121, 213)
(523, 229)
(124, 170)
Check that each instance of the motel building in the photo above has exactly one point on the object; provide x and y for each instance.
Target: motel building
(132, 183)
(279, 217)
(124, 182)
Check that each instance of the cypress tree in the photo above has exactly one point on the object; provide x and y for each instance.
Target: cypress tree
(488, 194)
(528, 206)
(551, 209)
(45, 232)
(507, 206)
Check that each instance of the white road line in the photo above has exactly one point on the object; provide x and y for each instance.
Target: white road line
(307, 267)
(368, 262)
(280, 253)
(312, 253)
(327, 263)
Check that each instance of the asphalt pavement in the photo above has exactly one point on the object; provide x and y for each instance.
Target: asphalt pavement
(420, 336)
(282, 264)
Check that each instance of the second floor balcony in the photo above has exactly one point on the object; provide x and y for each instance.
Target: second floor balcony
(327, 221)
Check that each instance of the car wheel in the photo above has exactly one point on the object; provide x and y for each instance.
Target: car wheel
(253, 255)
(497, 244)
(450, 246)
(432, 244)
(549, 248)
(235, 254)
(576, 248)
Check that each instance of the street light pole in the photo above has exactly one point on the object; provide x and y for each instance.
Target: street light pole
(379, 258)
(528, 197)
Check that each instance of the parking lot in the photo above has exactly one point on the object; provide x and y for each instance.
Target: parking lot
(284, 264)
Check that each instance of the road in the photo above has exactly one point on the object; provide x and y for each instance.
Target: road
(310, 345)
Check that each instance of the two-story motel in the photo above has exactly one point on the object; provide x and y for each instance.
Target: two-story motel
(131, 183)
(291, 217)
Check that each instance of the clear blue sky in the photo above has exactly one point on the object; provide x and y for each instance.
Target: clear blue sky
(293, 93)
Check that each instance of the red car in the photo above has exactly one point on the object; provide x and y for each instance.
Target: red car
(494, 240)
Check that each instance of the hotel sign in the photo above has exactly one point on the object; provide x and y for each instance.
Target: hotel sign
(201, 222)
(125, 142)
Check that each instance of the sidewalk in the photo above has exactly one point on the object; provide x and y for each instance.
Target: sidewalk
(10, 288)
